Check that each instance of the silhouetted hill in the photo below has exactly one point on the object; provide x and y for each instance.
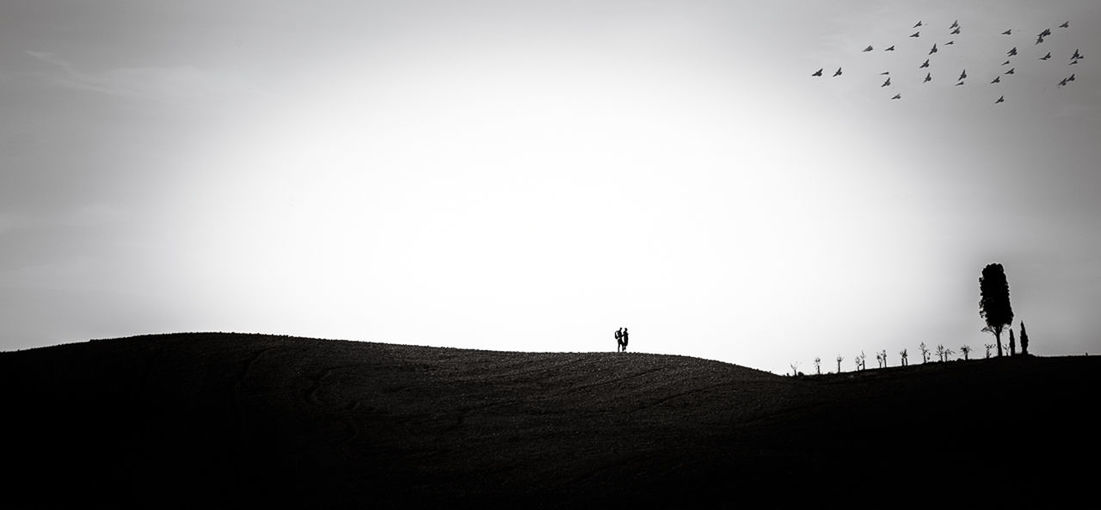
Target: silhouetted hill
(201, 420)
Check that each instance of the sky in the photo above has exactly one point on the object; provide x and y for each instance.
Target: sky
(533, 175)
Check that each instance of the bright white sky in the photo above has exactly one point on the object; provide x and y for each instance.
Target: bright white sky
(531, 176)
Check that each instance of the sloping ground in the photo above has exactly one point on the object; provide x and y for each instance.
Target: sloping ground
(205, 420)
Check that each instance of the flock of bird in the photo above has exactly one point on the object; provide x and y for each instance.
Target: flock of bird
(956, 29)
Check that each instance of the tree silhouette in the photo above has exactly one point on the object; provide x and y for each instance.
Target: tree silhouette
(948, 354)
(988, 347)
(965, 350)
(818, 365)
(839, 359)
(940, 352)
(994, 304)
(878, 360)
(883, 354)
(1024, 340)
(924, 353)
(794, 369)
(903, 355)
(1012, 343)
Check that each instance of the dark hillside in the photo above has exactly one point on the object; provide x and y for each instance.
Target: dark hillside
(245, 420)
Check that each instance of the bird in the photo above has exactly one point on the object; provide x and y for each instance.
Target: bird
(1001, 99)
(963, 75)
(1042, 35)
(918, 24)
(838, 73)
(886, 83)
(1076, 55)
(928, 78)
(955, 32)
(1010, 71)
(1063, 82)
(892, 48)
(1005, 63)
(1012, 52)
(916, 34)
(1070, 78)
(934, 50)
(955, 24)
(1072, 62)
(884, 72)
(997, 79)
(960, 83)
(897, 96)
(1008, 32)
(1046, 57)
(1066, 24)
(869, 48)
(949, 42)
(924, 64)
(817, 73)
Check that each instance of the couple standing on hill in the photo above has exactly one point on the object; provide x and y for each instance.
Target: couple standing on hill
(621, 339)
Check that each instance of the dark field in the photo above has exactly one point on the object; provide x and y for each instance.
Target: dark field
(227, 420)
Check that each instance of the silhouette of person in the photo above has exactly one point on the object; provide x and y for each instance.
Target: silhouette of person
(624, 339)
(618, 339)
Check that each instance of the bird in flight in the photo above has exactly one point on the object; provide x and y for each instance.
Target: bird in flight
(1008, 32)
(1066, 24)
(817, 73)
(1046, 57)
(869, 48)
(960, 83)
(1063, 82)
(997, 79)
(949, 42)
(1076, 55)
(1012, 52)
(934, 50)
(892, 48)
(955, 32)
(963, 75)
(916, 34)
(1045, 33)
(928, 78)
(897, 96)
(838, 73)
(1005, 63)
(1010, 71)
(918, 24)
(884, 73)
(1001, 99)
(924, 64)
(886, 83)
(955, 24)
(1071, 77)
